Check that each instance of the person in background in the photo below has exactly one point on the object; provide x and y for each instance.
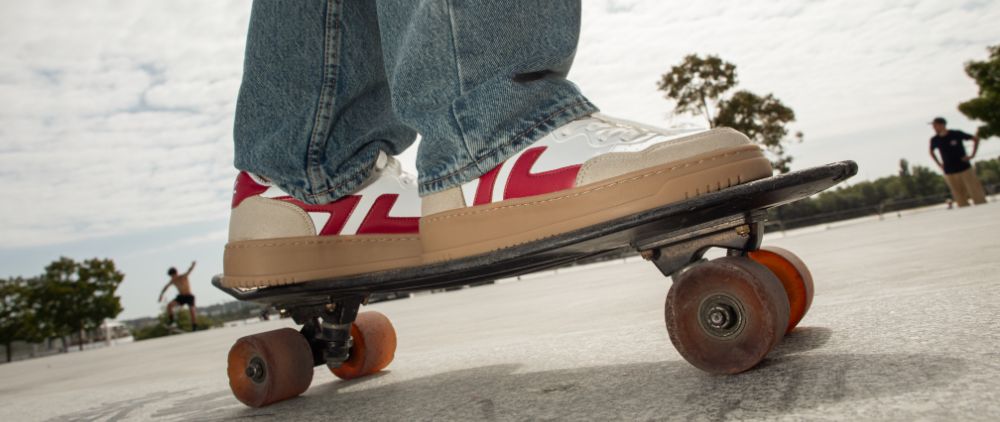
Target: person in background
(184, 296)
(956, 164)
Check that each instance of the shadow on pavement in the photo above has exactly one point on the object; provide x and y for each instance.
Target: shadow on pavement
(784, 383)
(800, 340)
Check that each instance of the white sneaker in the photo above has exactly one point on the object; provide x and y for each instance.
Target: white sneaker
(584, 173)
(275, 239)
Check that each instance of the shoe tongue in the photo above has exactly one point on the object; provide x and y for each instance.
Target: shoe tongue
(382, 160)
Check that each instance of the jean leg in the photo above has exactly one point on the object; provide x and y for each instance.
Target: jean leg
(479, 80)
(314, 107)
(958, 189)
(974, 186)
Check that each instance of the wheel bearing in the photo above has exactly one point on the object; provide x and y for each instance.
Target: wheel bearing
(722, 316)
(255, 370)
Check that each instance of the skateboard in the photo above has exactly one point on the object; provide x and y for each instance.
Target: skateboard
(723, 315)
(176, 329)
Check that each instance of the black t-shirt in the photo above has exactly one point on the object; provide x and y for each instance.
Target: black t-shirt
(951, 149)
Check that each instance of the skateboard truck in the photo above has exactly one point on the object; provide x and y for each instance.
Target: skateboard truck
(327, 328)
(672, 252)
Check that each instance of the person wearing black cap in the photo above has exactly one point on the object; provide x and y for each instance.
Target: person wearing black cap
(956, 164)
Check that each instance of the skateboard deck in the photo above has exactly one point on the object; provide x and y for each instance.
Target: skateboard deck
(723, 316)
(744, 204)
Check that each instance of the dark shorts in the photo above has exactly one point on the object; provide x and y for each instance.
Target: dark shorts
(185, 300)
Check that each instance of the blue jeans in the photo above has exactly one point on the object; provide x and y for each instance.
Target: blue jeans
(329, 84)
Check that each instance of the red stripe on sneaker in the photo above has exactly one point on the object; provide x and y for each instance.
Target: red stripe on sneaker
(522, 182)
(245, 187)
(378, 220)
(339, 210)
(484, 192)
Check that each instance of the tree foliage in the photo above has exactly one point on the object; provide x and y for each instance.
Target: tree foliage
(14, 321)
(78, 296)
(699, 85)
(985, 107)
(762, 119)
(68, 298)
(697, 82)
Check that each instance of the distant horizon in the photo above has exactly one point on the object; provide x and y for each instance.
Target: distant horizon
(116, 139)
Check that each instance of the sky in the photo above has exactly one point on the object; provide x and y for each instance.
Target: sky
(116, 116)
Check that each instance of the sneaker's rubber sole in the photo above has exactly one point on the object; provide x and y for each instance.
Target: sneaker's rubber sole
(275, 262)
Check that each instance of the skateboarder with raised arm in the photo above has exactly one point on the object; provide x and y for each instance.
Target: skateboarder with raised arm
(511, 150)
(956, 164)
(184, 296)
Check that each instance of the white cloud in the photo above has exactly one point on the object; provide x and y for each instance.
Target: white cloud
(117, 115)
(852, 70)
(864, 62)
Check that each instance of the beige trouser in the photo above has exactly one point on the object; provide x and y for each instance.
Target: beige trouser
(965, 185)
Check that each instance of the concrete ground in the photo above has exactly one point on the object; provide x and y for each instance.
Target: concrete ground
(905, 325)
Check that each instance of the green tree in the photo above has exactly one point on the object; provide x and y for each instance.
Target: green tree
(927, 182)
(762, 119)
(76, 297)
(988, 171)
(985, 107)
(696, 82)
(906, 177)
(699, 85)
(13, 309)
(39, 325)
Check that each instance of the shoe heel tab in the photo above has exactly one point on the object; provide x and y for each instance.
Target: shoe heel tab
(246, 186)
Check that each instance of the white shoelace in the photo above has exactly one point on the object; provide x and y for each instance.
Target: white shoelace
(607, 129)
(393, 166)
(408, 179)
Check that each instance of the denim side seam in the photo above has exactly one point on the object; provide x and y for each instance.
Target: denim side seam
(458, 76)
(574, 110)
(325, 107)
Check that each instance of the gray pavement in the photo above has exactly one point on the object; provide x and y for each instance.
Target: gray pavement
(905, 325)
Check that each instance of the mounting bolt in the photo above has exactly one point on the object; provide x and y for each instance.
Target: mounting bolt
(743, 231)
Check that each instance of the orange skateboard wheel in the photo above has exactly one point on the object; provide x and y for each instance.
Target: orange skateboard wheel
(270, 367)
(373, 346)
(794, 276)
